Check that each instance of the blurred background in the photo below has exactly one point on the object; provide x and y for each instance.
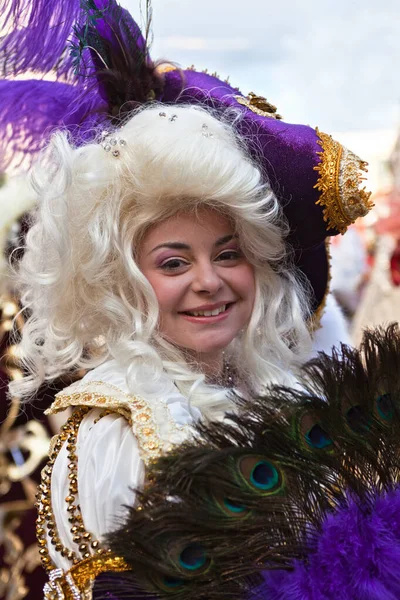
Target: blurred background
(326, 63)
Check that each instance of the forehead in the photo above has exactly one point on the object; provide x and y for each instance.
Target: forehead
(189, 227)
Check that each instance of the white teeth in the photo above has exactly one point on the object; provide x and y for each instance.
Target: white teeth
(208, 313)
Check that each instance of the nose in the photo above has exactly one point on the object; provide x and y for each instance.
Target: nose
(206, 278)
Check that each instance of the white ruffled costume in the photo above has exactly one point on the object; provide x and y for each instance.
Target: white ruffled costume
(112, 451)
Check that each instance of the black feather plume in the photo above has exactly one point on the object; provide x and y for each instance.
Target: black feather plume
(109, 46)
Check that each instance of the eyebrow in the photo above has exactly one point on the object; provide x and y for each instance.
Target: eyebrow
(182, 246)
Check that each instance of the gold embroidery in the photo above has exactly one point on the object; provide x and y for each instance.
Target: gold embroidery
(259, 105)
(86, 566)
(135, 409)
(77, 583)
(93, 400)
(340, 175)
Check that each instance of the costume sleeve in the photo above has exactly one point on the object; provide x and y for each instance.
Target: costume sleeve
(109, 468)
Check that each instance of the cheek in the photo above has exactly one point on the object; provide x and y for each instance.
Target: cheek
(247, 285)
(166, 289)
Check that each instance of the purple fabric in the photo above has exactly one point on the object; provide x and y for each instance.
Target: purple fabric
(356, 557)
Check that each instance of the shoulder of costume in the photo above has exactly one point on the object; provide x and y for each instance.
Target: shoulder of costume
(103, 387)
(158, 424)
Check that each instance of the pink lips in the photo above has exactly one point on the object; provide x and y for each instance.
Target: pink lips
(207, 306)
(211, 319)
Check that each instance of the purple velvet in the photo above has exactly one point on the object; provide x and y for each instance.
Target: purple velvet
(356, 557)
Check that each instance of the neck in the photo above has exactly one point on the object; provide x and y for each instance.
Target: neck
(211, 364)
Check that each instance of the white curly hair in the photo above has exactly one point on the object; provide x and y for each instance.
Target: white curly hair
(86, 298)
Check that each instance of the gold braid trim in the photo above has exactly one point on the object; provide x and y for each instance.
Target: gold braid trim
(340, 176)
(78, 582)
(314, 322)
(259, 105)
(136, 411)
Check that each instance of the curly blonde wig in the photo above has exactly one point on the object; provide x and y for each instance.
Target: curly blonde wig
(80, 283)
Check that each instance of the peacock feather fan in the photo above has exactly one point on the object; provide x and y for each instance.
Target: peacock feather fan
(248, 501)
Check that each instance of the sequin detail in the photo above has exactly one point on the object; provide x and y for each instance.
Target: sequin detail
(259, 105)
(340, 175)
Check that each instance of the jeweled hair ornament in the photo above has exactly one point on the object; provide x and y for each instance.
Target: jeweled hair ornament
(112, 143)
(106, 71)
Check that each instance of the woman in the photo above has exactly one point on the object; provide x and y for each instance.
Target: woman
(156, 260)
(160, 260)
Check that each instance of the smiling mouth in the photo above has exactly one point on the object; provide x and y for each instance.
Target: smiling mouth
(208, 313)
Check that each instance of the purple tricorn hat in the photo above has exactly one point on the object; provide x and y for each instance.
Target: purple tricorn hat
(108, 71)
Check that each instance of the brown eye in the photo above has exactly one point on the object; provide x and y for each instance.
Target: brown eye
(173, 264)
(229, 255)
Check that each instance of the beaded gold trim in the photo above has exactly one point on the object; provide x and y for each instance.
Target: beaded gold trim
(259, 105)
(136, 410)
(340, 175)
(90, 399)
(46, 527)
(77, 583)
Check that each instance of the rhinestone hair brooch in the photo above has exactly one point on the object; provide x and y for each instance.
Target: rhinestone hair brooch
(204, 128)
(112, 143)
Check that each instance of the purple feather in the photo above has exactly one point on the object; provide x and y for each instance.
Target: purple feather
(39, 33)
(31, 109)
(115, 71)
(356, 556)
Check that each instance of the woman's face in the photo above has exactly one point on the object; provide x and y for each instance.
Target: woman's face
(204, 285)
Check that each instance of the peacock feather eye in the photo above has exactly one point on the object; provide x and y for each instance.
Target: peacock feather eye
(313, 433)
(231, 508)
(357, 419)
(188, 559)
(384, 406)
(193, 557)
(317, 438)
(171, 584)
(234, 507)
(260, 474)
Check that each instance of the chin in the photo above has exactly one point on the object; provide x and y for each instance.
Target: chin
(209, 348)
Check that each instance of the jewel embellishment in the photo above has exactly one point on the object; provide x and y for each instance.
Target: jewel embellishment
(109, 143)
(205, 132)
